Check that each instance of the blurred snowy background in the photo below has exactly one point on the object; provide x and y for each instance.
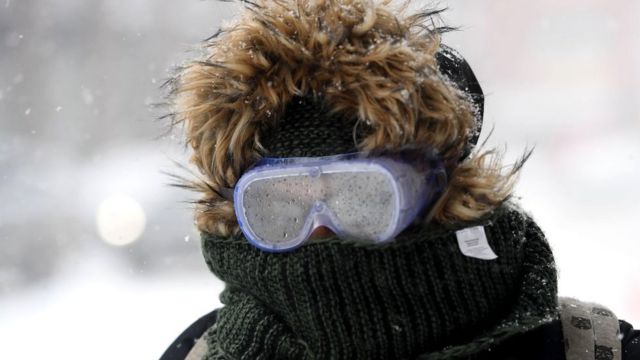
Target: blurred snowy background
(99, 258)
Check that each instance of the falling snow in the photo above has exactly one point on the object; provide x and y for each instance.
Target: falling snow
(60, 172)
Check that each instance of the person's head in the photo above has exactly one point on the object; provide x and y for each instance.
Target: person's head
(308, 78)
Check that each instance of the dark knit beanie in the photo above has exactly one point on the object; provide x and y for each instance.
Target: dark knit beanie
(309, 127)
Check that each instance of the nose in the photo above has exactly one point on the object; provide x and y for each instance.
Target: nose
(321, 232)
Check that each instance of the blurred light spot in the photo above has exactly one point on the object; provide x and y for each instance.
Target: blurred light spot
(120, 220)
(58, 108)
(27, 112)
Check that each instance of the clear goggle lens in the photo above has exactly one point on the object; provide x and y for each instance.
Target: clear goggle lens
(278, 205)
(277, 209)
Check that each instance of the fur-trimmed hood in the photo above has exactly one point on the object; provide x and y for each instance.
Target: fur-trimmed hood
(364, 59)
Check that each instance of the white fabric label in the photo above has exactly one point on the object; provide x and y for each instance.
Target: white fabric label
(473, 243)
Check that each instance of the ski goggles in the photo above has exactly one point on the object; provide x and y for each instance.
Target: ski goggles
(363, 197)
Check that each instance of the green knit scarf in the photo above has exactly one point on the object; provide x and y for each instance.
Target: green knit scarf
(417, 298)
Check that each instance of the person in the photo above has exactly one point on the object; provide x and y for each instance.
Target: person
(346, 205)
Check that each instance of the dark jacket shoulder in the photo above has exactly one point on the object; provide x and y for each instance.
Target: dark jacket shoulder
(630, 341)
(547, 343)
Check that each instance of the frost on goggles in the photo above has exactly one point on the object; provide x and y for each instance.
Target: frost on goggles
(280, 202)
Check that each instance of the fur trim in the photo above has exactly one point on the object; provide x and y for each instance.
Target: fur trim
(363, 58)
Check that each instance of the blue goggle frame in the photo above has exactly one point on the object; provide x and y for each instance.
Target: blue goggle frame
(367, 197)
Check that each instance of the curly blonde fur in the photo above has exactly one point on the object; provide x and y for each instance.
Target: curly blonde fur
(364, 59)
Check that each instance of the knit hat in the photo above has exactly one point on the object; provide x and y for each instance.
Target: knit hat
(308, 127)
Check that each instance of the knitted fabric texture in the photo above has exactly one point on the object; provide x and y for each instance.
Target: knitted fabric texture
(308, 128)
(418, 298)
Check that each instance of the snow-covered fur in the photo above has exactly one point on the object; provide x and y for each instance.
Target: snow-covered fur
(365, 59)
